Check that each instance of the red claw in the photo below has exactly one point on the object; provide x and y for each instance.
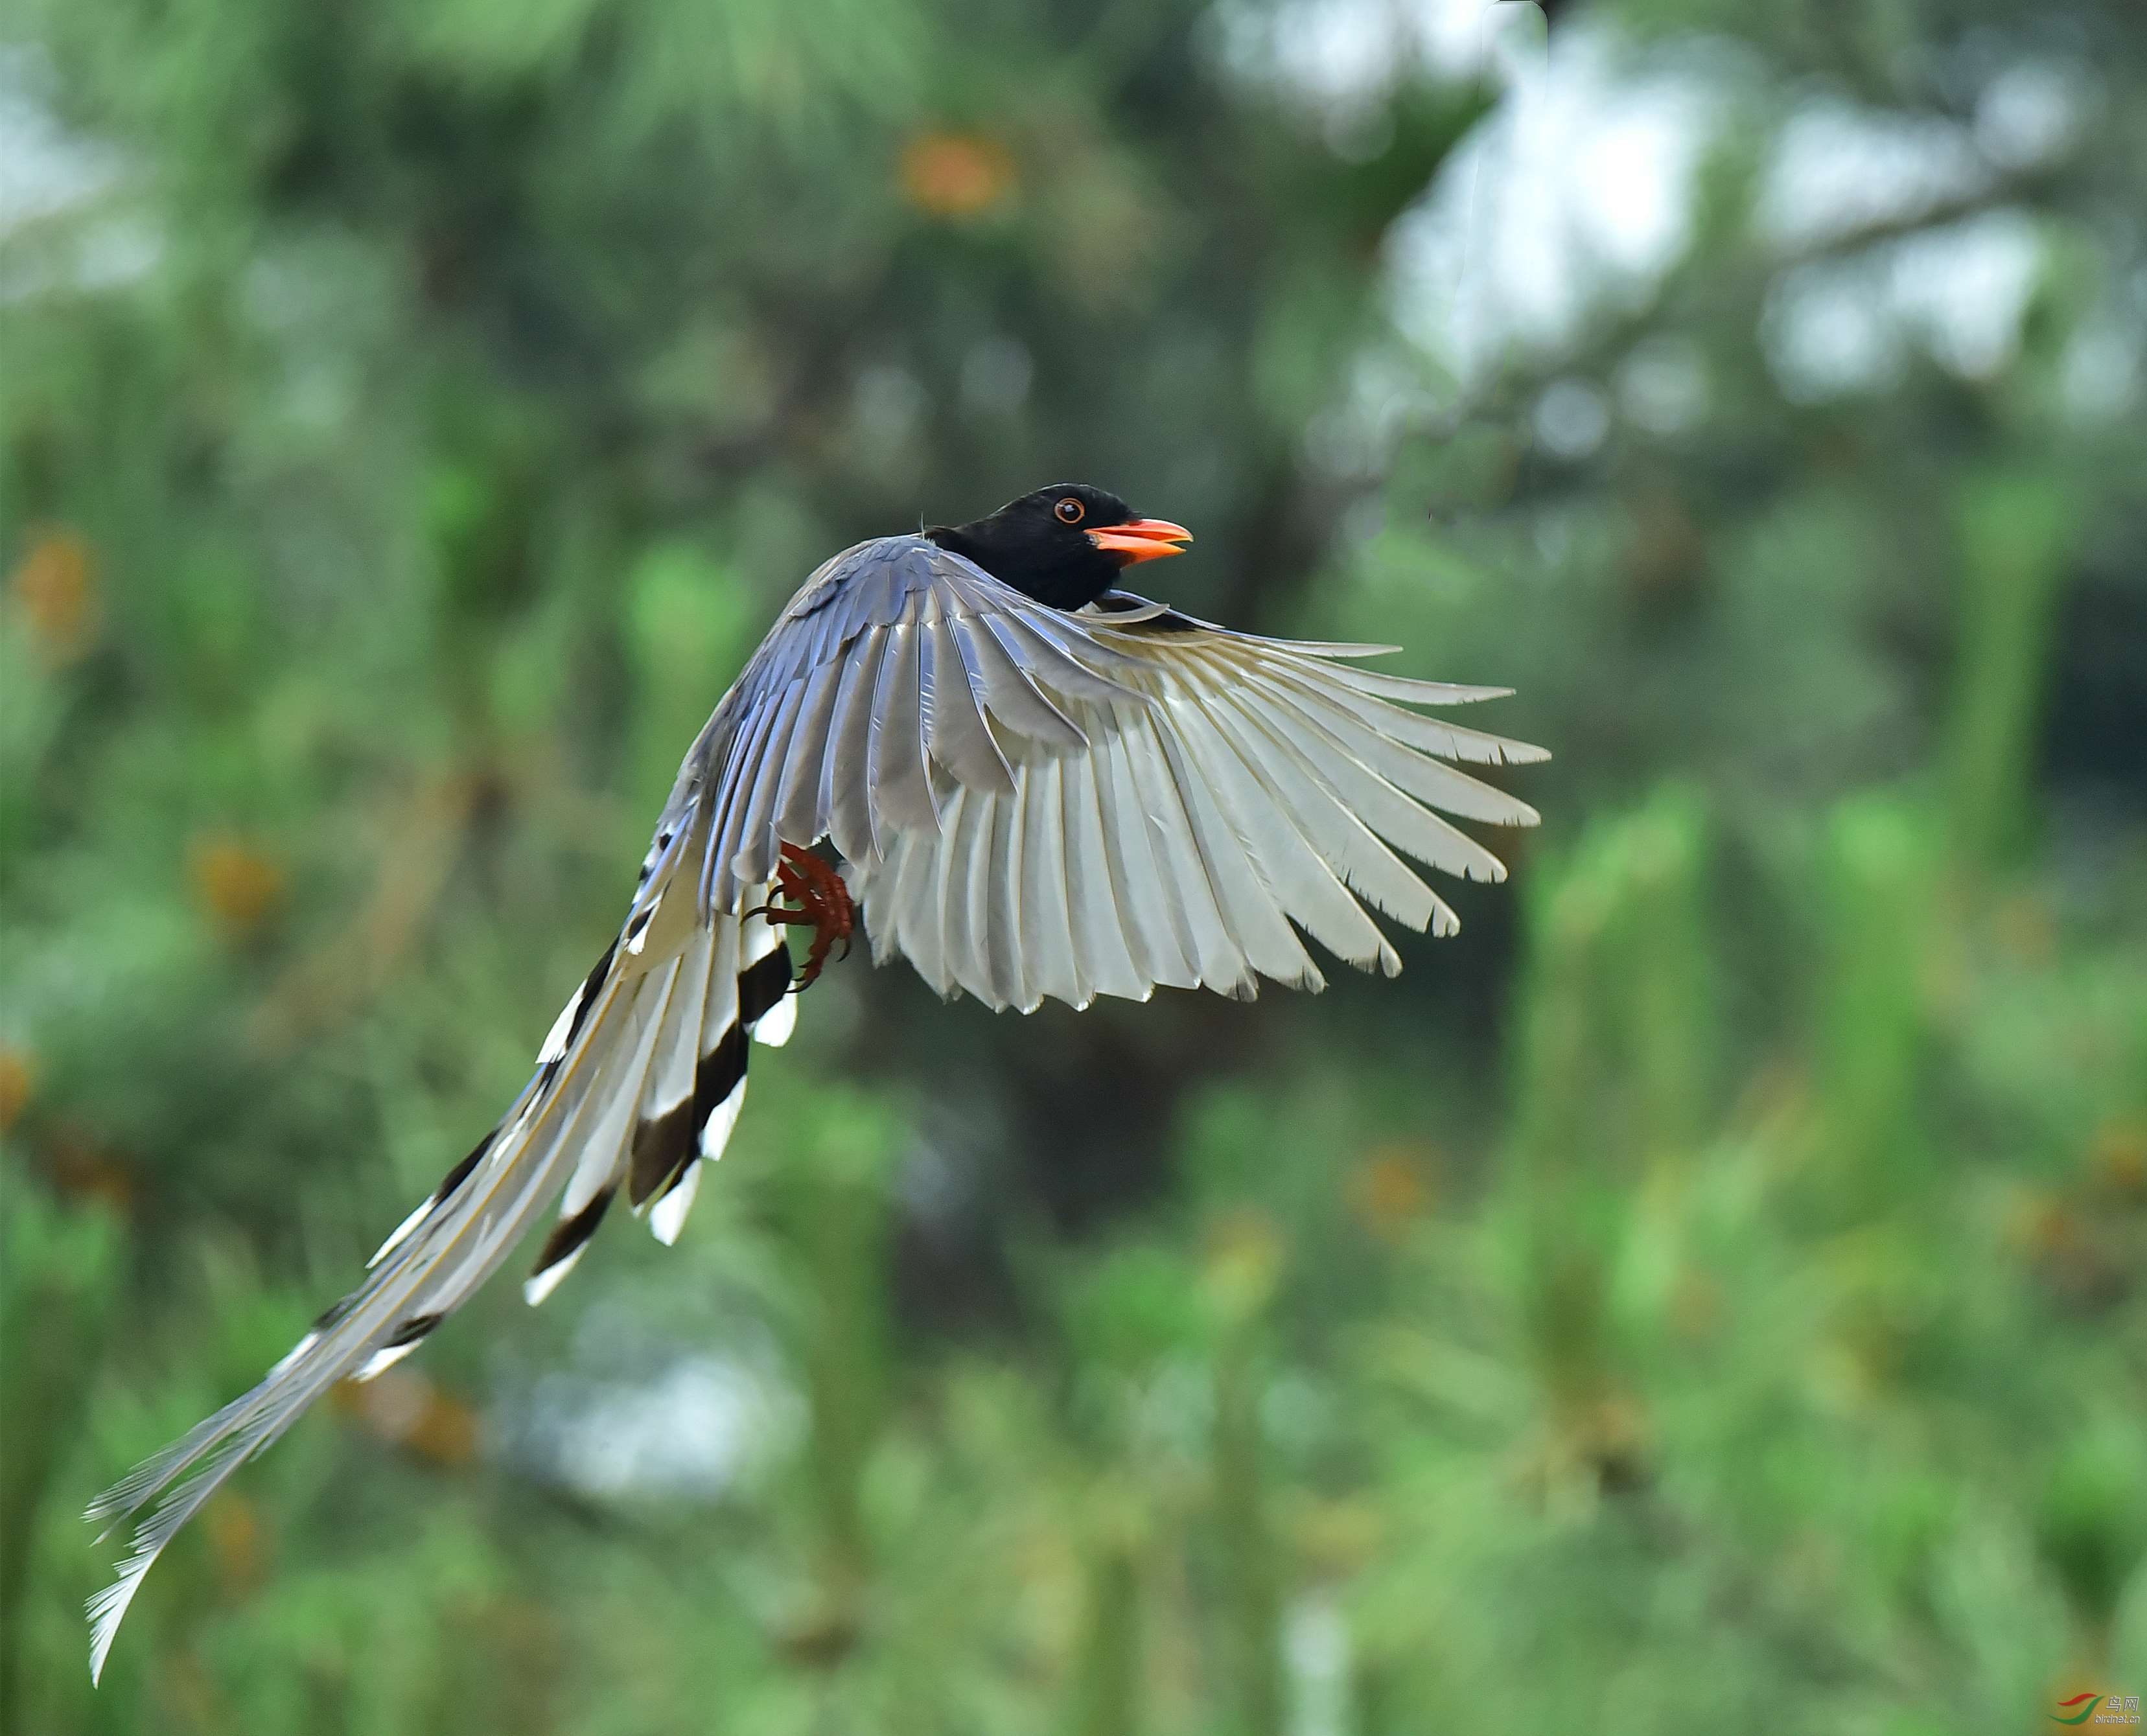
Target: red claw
(818, 897)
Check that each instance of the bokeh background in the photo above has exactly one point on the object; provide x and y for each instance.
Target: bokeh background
(1705, 1296)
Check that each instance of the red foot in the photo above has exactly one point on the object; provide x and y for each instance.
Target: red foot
(818, 897)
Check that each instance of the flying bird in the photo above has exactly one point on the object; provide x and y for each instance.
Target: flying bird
(1037, 784)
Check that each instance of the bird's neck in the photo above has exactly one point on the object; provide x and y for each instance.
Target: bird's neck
(1060, 585)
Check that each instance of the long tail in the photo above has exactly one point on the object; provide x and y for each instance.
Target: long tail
(640, 1082)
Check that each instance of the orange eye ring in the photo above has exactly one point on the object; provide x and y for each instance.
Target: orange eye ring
(1070, 511)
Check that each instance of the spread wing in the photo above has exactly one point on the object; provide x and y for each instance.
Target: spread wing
(1037, 804)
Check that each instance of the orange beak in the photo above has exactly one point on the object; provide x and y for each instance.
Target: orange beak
(1141, 539)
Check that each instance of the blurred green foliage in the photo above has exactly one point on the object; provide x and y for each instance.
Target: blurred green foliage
(1706, 1295)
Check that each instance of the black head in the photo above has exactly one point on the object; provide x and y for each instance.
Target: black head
(1064, 545)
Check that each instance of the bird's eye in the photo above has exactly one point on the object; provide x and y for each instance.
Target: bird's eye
(1070, 511)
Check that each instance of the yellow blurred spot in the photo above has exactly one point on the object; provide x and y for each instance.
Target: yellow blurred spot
(2055, 1230)
(405, 1409)
(445, 1433)
(1389, 1190)
(186, 1681)
(956, 174)
(2025, 929)
(2073, 1244)
(234, 882)
(1846, 1376)
(1592, 1448)
(81, 1168)
(2022, 1217)
(1338, 1538)
(1666, 554)
(1615, 1439)
(1695, 1305)
(2117, 1158)
(388, 1405)
(55, 587)
(235, 1539)
(822, 1639)
(18, 1080)
(1244, 1260)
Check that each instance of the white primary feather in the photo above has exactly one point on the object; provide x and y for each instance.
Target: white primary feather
(666, 1217)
